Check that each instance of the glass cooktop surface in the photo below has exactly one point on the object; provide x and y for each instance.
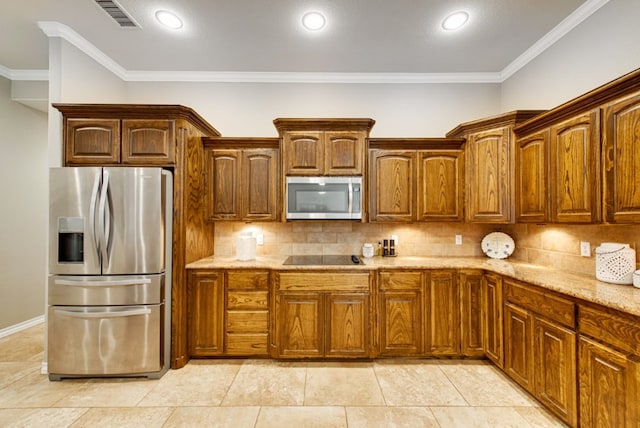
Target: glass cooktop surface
(311, 260)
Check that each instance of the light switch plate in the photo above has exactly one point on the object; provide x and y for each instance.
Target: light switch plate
(395, 239)
(585, 249)
(458, 239)
(260, 239)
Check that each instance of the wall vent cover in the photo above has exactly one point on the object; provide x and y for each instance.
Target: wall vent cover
(116, 11)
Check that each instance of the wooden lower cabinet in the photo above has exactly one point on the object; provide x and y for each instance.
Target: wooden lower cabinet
(609, 382)
(205, 300)
(471, 343)
(554, 358)
(442, 306)
(518, 345)
(400, 309)
(320, 315)
(492, 318)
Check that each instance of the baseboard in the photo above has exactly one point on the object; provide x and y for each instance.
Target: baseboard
(21, 326)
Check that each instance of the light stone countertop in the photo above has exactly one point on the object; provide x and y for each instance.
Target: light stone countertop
(625, 298)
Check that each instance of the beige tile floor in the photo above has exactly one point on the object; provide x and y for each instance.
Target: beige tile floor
(264, 393)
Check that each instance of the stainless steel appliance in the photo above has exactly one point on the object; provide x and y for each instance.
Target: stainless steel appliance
(109, 287)
(313, 198)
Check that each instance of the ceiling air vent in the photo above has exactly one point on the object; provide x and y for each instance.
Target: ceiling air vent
(117, 13)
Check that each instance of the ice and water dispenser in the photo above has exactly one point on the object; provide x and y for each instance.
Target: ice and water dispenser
(70, 240)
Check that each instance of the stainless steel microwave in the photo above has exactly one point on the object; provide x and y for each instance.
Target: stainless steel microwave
(334, 198)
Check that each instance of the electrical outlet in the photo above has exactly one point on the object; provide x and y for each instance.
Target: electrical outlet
(585, 249)
(260, 239)
(395, 239)
(458, 239)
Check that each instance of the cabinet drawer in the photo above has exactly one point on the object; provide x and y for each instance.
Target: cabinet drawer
(247, 300)
(545, 304)
(247, 321)
(400, 280)
(330, 281)
(250, 280)
(616, 329)
(246, 344)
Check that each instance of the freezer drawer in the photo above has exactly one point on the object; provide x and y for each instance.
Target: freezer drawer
(105, 340)
(106, 290)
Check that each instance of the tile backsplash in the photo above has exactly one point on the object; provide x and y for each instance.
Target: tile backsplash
(556, 246)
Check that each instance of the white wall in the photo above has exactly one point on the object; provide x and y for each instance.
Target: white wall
(23, 218)
(602, 48)
(400, 110)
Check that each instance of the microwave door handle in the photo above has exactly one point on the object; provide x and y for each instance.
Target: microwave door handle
(102, 220)
(350, 197)
(92, 213)
(120, 314)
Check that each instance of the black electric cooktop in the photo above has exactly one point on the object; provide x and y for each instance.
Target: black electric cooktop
(312, 260)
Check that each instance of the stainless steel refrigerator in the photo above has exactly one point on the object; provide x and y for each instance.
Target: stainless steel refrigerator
(109, 287)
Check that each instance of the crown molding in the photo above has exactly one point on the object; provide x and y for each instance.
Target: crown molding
(566, 25)
(56, 29)
(23, 74)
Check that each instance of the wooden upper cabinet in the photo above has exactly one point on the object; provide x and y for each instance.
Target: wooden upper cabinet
(303, 153)
(440, 185)
(621, 160)
(392, 185)
(259, 184)
(148, 142)
(242, 184)
(531, 177)
(223, 167)
(92, 141)
(489, 172)
(323, 146)
(575, 166)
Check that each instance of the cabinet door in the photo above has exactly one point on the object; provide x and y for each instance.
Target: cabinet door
(609, 383)
(492, 316)
(391, 185)
(443, 314)
(471, 313)
(205, 298)
(347, 334)
(489, 178)
(400, 308)
(301, 325)
(344, 152)
(531, 177)
(440, 191)
(555, 369)
(303, 153)
(518, 345)
(621, 157)
(92, 142)
(575, 165)
(223, 168)
(148, 142)
(259, 184)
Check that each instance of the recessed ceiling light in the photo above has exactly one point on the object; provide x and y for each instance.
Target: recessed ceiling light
(313, 21)
(455, 20)
(169, 19)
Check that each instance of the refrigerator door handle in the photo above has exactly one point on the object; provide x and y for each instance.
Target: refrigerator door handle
(120, 314)
(102, 213)
(90, 283)
(92, 213)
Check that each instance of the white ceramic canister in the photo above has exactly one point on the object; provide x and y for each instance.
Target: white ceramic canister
(615, 263)
(367, 250)
(246, 247)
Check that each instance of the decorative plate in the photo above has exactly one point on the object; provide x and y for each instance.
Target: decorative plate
(498, 245)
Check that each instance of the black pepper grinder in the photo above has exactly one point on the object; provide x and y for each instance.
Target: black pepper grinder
(392, 249)
(385, 247)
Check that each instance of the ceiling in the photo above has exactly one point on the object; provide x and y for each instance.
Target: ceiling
(361, 36)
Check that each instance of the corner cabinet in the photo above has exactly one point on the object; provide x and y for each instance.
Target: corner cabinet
(322, 314)
(416, 179)
(242, 179)
(323, 146)
(489, 166)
